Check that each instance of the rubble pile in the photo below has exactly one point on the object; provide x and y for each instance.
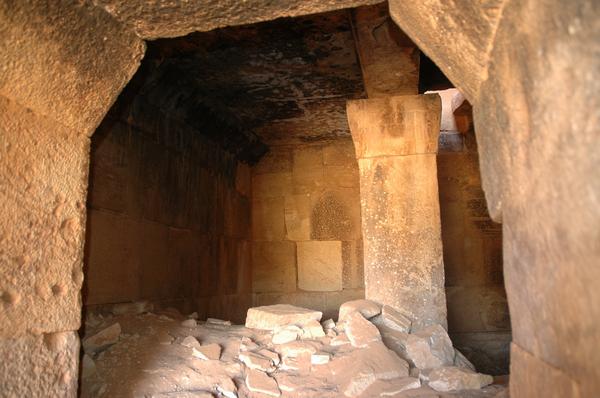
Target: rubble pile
(281, 351)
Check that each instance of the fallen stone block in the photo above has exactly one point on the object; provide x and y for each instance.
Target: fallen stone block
(357, 370)
(256, 361)
(367, 309)
(227, 388)
(260, 382)
(135, 308)
(298, 347)
(103, 339)
(215, 321)
(189, 323)
(207, 352)
(319, 358)
(191, 342)
(395, 320)
(312, 330)
(452, 378)
(394, 340)
(273, 356)
(339, 340)
(461, 361)
(272, 317)
(328, 324)
(391, 387)
(360, 332)
(430, 348)
(286, 334)
(246, 344)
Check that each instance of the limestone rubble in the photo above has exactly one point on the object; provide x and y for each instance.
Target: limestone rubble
(214, 359)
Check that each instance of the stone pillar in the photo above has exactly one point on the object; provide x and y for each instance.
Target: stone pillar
(396, 141)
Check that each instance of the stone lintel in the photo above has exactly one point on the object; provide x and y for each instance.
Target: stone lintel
(395, 126)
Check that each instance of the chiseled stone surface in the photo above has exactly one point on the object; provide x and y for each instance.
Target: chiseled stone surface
(534, 145)
(65, 61)
(387, 56)
(472, 26)
(274, 266)
(320, 265)
(153, 20)
(43, 365)
(396, 141)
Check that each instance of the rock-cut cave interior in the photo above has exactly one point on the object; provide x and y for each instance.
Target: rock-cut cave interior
(299, 199)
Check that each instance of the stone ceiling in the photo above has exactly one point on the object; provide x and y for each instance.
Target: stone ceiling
(280, 81)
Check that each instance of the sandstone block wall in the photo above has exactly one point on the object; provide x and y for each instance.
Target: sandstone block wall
(478, 317)
(307, 247)
(169, 218)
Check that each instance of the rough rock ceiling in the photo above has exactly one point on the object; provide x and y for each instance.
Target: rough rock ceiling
(283, 81)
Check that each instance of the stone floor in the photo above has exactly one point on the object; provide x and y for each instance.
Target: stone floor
(152, 355)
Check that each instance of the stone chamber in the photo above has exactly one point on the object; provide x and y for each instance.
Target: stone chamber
(412, 171)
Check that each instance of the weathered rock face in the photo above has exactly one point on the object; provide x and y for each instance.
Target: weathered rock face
(151, 20)
(518, 110)
(471, 25)
(396, 141)
(54, 91)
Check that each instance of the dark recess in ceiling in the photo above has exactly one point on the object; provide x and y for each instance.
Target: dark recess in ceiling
(431, 77)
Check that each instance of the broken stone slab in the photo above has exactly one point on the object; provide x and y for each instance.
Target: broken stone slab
(273, 356)
(358, 369)
(430, 348)
(461, 361)
(247, 344)
(367, 309)
(394, 320)
(391, 387)
(286, 334)
(273, 316)
(394, 340)
(319, 358)
(189, 323)
(227, 388)
(298, 347)
(256, 361)
(312, 330)
(305, 385)
(215, 321)
(339, 340)
(452, 378)
(191, 342)
(103, 339)
(207, 352)
(260, 382)
(297, 364)
(134, 308)
(88, 367)
(360, 332)
(328, 324)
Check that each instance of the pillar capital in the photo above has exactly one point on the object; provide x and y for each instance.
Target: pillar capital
(395, 126)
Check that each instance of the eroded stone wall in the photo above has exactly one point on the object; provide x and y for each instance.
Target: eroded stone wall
(169, 217)
(478, 318)
(307, 247)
